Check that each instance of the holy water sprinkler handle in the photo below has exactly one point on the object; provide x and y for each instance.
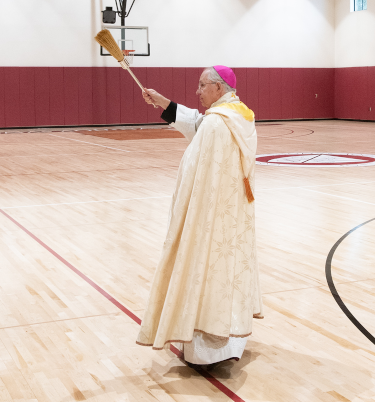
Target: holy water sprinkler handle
(106, 40)
(125, 65)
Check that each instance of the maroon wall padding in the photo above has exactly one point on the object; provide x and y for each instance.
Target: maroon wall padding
(341, 106)
(276, 93)
(71, 95)
(99, 95)
(57, 96)
(165, 85)
(264, 94)
(191, 85)
(298, 108)
(355, 97)
(179, 85)
(252, 90)
(85, 115)
(127, 87)
(371, 92)
(27, 96)
(287, 93)
(12, 96)
(355, 93)
(241, 83)
(113, 94)
(2, 97)
(309, 87)
(325, 86)
(44, 96)
(140, 106)
(360, 94)
(153, 78)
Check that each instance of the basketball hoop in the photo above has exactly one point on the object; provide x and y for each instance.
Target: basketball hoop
(128, 56)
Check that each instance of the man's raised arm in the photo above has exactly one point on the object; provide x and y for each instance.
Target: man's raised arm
(183, 119)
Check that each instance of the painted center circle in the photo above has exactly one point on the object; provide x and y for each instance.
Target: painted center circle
(316, 159)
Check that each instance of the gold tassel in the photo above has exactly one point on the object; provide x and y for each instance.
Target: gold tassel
(249, 193)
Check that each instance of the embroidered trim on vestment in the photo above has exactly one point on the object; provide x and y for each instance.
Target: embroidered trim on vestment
(143, 344)
(223, 337)
(173, 340)
(195, 330)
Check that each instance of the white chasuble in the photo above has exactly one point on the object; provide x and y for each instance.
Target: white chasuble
(207, 280)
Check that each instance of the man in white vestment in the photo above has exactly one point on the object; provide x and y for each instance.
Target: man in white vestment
(206, 290)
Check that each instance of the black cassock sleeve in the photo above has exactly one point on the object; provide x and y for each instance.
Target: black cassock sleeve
(169, 114)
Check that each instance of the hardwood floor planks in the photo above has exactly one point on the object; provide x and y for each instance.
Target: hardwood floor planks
(105, 211)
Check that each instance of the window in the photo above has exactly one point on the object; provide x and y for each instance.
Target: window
(358, 5)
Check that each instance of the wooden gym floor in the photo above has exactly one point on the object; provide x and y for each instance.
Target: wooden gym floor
(82, 223)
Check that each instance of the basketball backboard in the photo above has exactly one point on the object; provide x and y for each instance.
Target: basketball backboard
(129, 38)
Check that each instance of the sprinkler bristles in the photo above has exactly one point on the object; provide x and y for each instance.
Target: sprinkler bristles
(105, 39)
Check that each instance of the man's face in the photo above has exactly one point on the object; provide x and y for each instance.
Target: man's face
(208, 91)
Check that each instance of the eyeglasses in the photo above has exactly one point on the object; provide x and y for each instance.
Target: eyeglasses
(203, 85)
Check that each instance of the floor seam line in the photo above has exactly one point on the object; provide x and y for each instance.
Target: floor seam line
(338, 196)
(259, 190)
(90, 143)
(87, 202)
(55, 321)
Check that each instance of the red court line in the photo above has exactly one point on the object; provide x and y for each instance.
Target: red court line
(221, 387)
(215, 382)
(266, 159)
(79, 273)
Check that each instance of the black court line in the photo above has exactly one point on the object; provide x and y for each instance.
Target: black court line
(332, 287)
(311, 158)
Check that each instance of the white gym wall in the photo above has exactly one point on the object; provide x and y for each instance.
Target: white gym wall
(195, 33)
(355, 35)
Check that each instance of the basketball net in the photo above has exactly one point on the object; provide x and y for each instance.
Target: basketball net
(128, 55)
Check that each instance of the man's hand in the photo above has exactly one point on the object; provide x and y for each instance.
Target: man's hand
(153, 97)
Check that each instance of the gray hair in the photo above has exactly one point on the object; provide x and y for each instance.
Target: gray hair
(215, 77)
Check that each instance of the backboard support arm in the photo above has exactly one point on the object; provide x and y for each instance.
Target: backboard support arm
(121, 11)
